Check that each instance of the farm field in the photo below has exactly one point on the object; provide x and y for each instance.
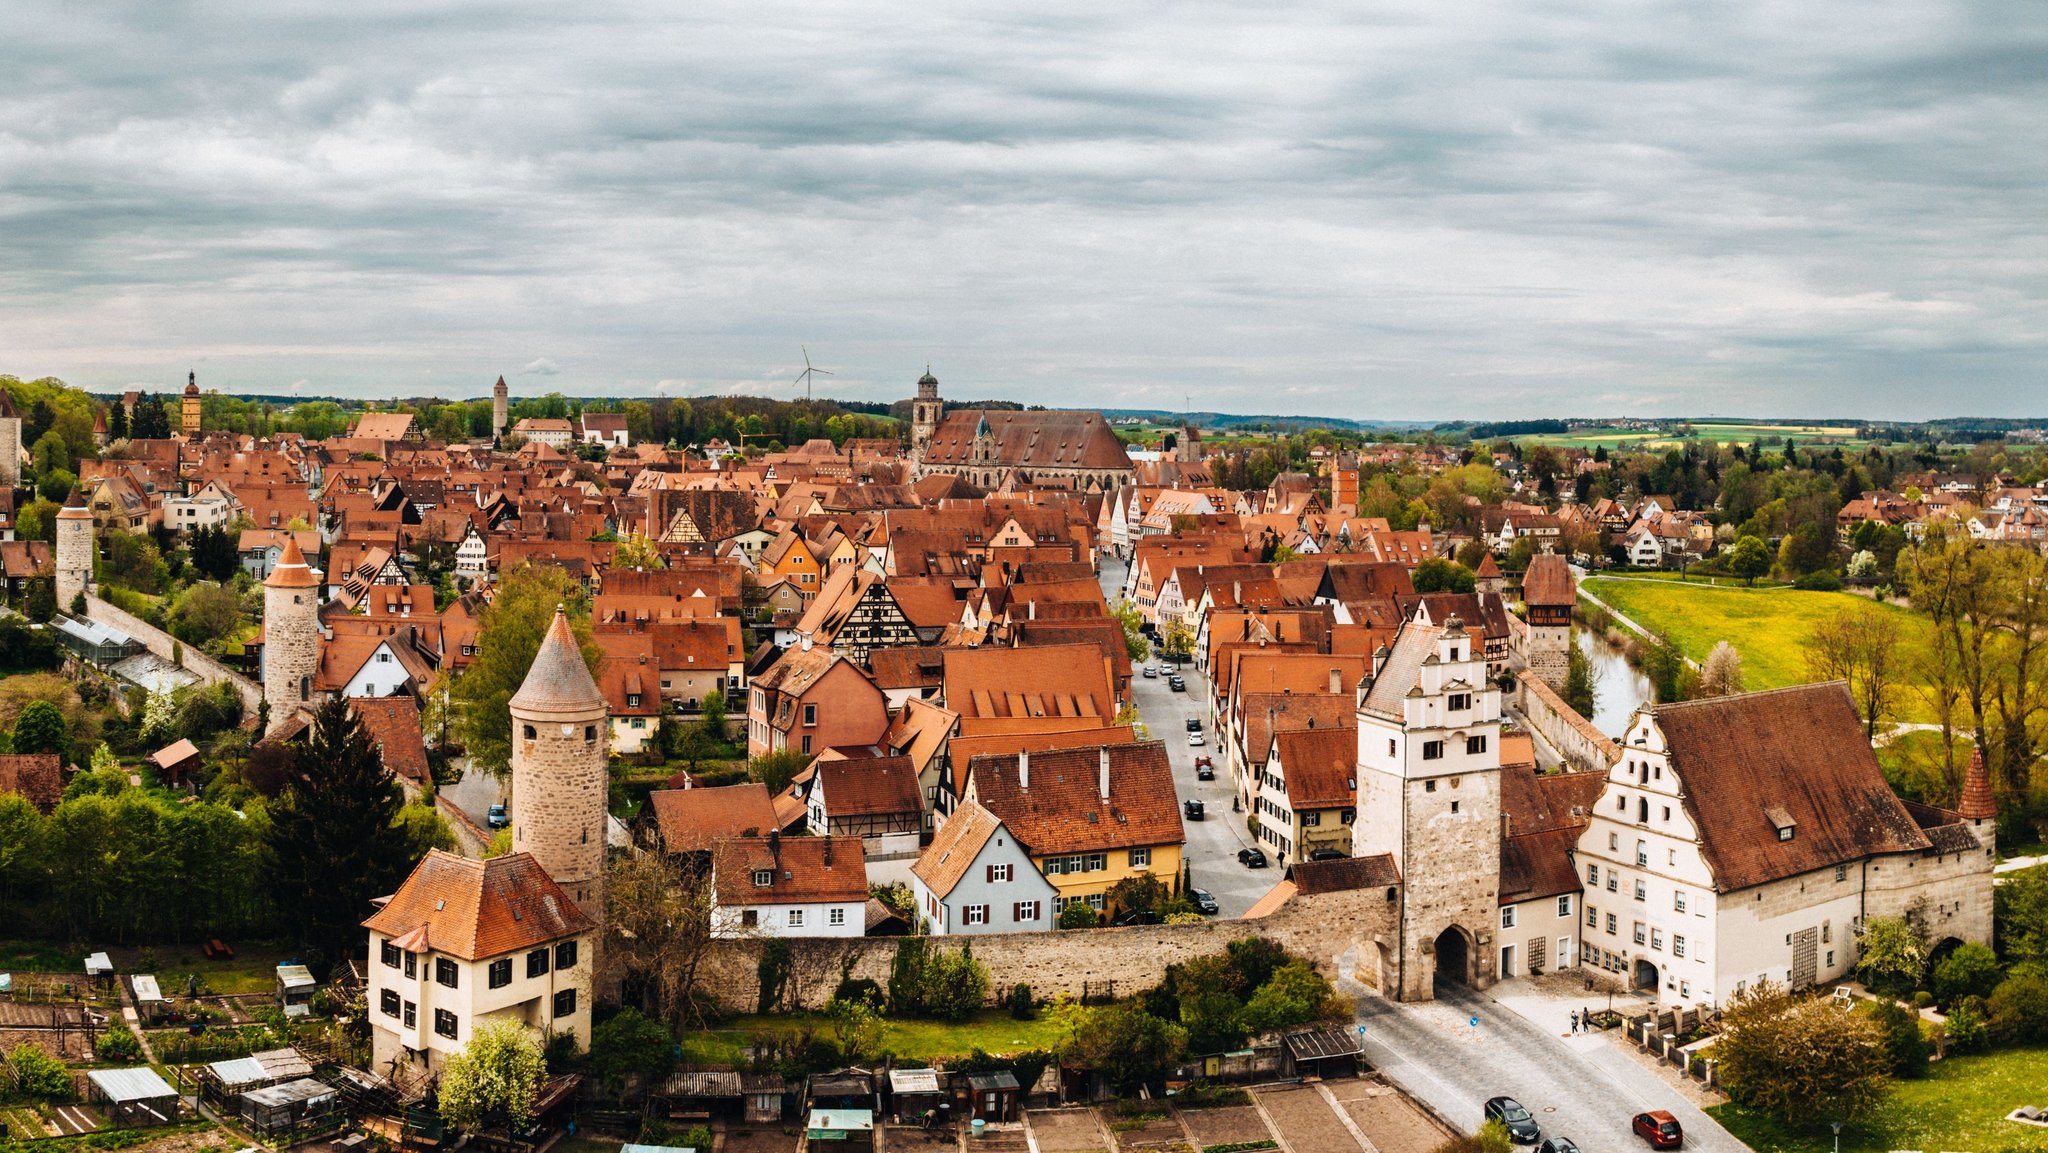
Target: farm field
(1769, 627)
(1596, 436)
(993, 1031)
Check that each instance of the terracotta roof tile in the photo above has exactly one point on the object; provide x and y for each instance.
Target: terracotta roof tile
(798, 869)
(955, 846)
(478, 909)
(1063, 811)
(1345, 874)
(694, 819)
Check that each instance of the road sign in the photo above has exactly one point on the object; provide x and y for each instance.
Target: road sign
(1472, 1021)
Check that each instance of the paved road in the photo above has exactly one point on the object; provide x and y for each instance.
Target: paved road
(475, 793)
(1582, 1087)
(1212, 842)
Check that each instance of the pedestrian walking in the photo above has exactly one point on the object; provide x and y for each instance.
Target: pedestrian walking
(1575, 1022)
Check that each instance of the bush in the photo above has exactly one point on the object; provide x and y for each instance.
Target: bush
(37, 1074)
(2019, 1009)
(1904, 1046)
(1966, 1032)
(1822, 581)
(1078, 916)
(1923, 999)
(859, 989)
(118, 1045)
(1021, 1007)
(1491, 1138)
(1970, 971)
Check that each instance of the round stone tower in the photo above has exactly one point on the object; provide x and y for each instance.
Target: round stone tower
(74, 554)
(561, 745)
(501, 401)
(291, 633)
(10, 441)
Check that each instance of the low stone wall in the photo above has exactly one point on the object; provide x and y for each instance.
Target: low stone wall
(1584, 748)
(472, 840)
(165, 646)
(1322, 928)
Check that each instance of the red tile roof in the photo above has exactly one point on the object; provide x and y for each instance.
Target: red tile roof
(1062, 809)
(800, 870)
(694, 819)
(478, 909)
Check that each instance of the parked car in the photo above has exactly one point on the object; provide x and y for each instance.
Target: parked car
(1176, 684)
(1195, 740)
(1138, 917)
(1205, 769)
(1660, 1129)
(1151, 670)
(1191, 809)
(1201, 900)
(1326, 855)
(497, 818)
(1557, 1145)
(1521, 1126)
(1194, 724)
(1252, 858)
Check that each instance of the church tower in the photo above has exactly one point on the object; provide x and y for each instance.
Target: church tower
(1429, 794)
(291, 633)
(1549, 594)
(561, 748)
(925, 412)
(74, 552)
(501, 403)
(10, 441)
(188, 407)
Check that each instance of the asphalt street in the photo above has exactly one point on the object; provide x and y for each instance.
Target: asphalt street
(1582, 1087)
(1213, 842)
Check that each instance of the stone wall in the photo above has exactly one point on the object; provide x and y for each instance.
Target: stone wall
(559, 785)
(165, 646)
(1323, 928)
(1584, 748)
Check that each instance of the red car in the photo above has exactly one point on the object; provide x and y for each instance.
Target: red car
(1660, 1129)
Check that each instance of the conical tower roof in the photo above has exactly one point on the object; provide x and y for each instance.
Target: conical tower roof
(292, 571)
(1978, 803)
(559, 681)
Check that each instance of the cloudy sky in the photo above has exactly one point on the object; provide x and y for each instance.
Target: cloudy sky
(1380, 209)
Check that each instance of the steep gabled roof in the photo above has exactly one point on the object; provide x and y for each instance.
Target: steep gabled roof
(478, 909)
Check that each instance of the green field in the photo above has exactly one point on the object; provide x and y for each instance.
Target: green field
(1960, 1107)
(1769, 627)
(991, 1032)
(1597, 436)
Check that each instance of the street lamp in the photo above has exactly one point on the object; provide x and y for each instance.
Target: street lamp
(1837, 1127)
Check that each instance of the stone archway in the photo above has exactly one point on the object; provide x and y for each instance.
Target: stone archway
(1645, 976)
(1453, 968)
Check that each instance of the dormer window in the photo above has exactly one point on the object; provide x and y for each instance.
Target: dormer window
(763, 878)
(1782, 821)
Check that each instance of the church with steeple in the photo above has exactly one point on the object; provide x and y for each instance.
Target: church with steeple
(994, 449)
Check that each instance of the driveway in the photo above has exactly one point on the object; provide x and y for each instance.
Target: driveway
(1583, 1087)
(1213, 842)
(475, 793)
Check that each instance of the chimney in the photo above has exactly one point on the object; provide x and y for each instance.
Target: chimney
(775, 846)
(1272, 721)
(803, 642)
(1507, 825)
(1024, 769)
(1102, 783)
(827, 850)
(1336, 681)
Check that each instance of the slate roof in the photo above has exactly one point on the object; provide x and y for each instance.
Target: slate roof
(478, 909)
(1754, 761)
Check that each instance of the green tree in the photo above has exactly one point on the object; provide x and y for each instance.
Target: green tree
(216, 553)
(1133, 621)
(2019, 1009)
(490, 1085)
(1294, 995)
(1859, 646)
(1905, 1046)
(1139, 893)
(423, 828)
(40, 729)
(2020, 911)
(955, 984)
(1894, 955)
(37, 1074)
(1749, 558)
(637, 552)
(509, 633)
(1124, 1043)
(1492, 1137)
(856, 1028)
(206, 613)
(630, 1042)
(37, 521)
(1801, 1061)
(335, 841)
(775, 770)
(1078, 916)
(1439, 575)
(1581, 688)
(39, 601)
(1971, 970)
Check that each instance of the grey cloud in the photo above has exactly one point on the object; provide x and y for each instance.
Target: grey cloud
(1402, 210)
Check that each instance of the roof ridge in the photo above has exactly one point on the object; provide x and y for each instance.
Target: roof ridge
(1781, 689)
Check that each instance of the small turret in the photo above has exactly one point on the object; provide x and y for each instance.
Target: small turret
(1978, 803)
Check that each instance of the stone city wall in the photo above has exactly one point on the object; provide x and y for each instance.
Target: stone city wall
(1584, 748)
(1323, 928)
(166, 646)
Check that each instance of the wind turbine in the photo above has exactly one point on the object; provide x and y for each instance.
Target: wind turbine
(804, 377)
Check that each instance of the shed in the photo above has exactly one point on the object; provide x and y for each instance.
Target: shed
(295, 989)
(693, 1096)
(766, 1096)
(294, 1105)
(1330, 1051)
(134, 1096)
(846, 1089)
(176, 763)
(916, 1097)
(100, 968)
(146, 991)
(995, 1096)
(852, 1126)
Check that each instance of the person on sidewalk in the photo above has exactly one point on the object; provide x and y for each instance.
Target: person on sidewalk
(1575, 1022)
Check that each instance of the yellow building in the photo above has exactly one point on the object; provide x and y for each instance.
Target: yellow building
(1089, 817)
(188, 406)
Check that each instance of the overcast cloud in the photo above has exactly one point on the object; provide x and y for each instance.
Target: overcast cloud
(1402, 210)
